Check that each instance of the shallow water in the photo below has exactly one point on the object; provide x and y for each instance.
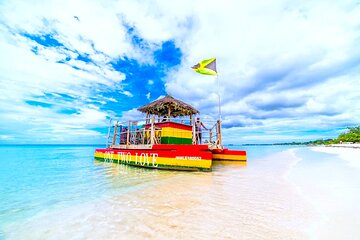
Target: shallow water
(60, 192)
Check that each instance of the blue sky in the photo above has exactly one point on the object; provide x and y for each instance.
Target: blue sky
(288, 70)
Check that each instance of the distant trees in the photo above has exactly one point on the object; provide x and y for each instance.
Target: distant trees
(353, 135)
(354, 129)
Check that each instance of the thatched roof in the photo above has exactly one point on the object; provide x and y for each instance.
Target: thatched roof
(161, 107)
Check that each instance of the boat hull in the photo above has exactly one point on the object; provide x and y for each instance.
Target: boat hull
(161, 156)
(228, 155)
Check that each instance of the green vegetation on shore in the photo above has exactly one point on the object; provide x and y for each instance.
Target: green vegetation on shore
(351, 136)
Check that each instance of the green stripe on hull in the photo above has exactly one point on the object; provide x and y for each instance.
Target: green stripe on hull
(159, 166)
(175, 140)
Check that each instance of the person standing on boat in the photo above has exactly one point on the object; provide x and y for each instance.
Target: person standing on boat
(198, 130)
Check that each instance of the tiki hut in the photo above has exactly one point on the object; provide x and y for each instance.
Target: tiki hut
(168, 106)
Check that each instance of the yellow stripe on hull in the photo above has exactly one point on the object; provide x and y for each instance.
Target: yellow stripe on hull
(229, 157)
(175, 132)
(150, 161)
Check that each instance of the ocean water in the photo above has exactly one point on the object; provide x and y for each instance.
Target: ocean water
(60, 192)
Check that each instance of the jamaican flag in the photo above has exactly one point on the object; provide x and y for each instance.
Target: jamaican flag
(207, 67)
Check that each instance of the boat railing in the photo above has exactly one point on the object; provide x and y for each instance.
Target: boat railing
(210, 136)
(133, 133)
(142, 134)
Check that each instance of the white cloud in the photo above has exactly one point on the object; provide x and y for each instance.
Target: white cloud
(280, 62)
(133, 115)
(127, 93)
(277, 61)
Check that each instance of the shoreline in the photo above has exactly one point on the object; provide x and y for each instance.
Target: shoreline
(315, 217)
(348, 154)
(344, 145)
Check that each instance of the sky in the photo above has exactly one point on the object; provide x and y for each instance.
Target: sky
(288, 70)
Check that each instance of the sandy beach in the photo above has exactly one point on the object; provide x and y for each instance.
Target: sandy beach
(345, 145)
(348, 152)
(330, 183)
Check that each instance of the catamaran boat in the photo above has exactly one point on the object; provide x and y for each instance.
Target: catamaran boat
(169, 138)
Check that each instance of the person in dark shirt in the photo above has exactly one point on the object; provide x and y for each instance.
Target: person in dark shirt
(198, 130)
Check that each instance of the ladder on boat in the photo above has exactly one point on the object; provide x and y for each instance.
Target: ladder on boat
(113, 133)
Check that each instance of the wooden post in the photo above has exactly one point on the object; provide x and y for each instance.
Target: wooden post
(128, 134)
(115, 132)
(147, 118)
(143, 137)
(210, 132)
(190, 118)
(193, 132)
(152, 134)
(108, 136)
(169, 113)
(120, 131)
(219, 140)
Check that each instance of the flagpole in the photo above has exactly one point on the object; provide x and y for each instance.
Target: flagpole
(208, 67)
(220, 120)
(219, 98)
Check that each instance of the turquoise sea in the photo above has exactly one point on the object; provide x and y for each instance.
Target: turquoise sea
(60, 192)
